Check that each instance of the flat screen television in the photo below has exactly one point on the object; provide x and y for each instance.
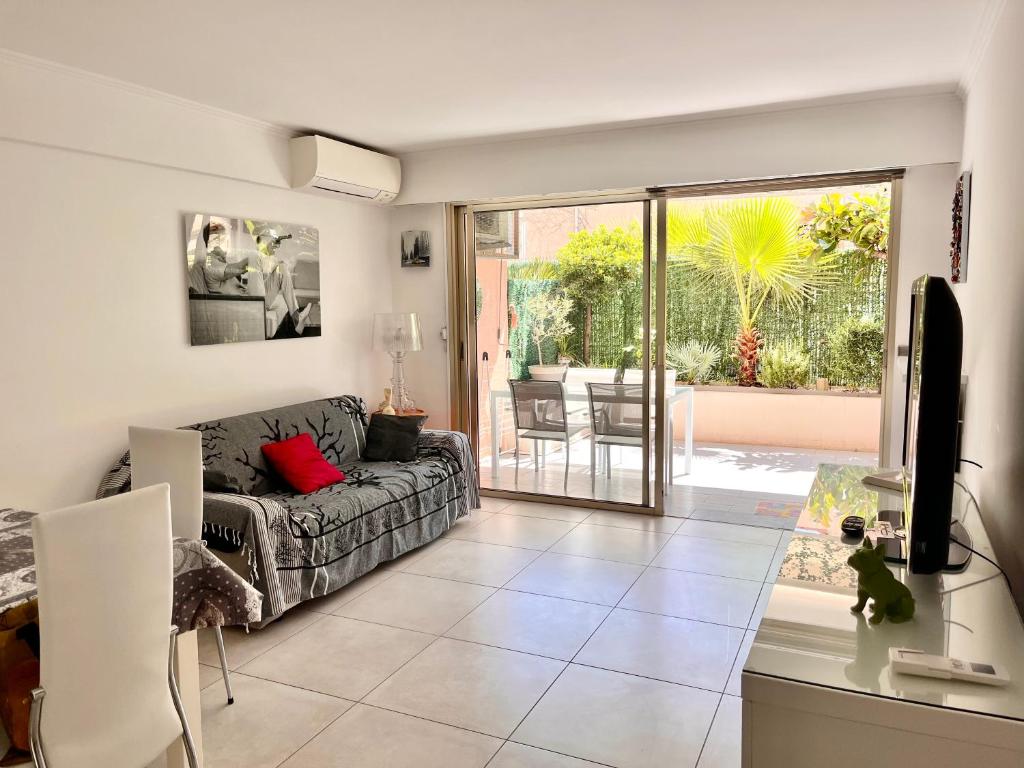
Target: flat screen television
(931, 433)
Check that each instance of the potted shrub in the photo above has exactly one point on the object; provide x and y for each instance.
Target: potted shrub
(693, 360)
(785, 366)
(549, 314)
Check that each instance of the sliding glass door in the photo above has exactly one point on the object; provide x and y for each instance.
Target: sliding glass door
(556, 345)
(590, 333)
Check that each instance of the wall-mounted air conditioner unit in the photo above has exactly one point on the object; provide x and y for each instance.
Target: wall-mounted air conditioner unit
(332, 167)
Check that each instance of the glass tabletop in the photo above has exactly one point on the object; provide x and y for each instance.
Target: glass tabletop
(809, 635)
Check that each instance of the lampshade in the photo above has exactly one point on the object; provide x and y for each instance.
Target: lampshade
(397, 332)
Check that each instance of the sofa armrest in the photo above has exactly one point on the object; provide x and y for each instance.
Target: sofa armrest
(456, 448)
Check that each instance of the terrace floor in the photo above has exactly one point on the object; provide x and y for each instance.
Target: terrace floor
(746, 484)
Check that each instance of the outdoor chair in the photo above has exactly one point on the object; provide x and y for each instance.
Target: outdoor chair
(539, 413)
(616, 418)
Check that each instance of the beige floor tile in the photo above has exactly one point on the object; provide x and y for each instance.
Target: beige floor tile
(675, 650)
(634, 520)
(734, 559)
(472, 686)
(331, 602)
(735, 677)
(548, 626)
(470, 561)
(209, 675)
(749, 534)
(693, 596)
(516, 531)
(760, 606)
(339, 656)
(406, 560)
(723, 748)
(608, 543)
(549, 511)
(416, 602)
(514, 755)
(475, 517)
(242, 647)
(493, 504)
(577, 578)
(620, 720)
(266, 724)
(367, 737)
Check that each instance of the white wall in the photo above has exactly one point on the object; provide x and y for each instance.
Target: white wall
(856, 136)
(94, 306)
(992, 300)
(423, 290)
(924, 249)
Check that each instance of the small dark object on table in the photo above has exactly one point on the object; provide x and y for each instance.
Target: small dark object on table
(853, 525)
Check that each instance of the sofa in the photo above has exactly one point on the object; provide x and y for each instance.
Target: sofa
(294, 547)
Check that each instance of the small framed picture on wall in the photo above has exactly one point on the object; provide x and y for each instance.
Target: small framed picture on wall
(416, 248)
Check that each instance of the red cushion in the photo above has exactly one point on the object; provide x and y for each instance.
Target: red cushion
(299, 462)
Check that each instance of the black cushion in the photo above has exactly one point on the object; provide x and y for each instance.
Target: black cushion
(392, 438)
(219, 482)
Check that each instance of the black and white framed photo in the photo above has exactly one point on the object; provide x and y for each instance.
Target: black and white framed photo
(251, 279)
(416, 248)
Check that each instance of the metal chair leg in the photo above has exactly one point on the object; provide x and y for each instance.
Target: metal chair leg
(516, 450)
(224, 663)
(35, 741)
(608, 461)
(186, 733)
(593, 467)
(565, 482)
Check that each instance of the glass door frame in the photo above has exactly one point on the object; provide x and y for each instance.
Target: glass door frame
(463, 352)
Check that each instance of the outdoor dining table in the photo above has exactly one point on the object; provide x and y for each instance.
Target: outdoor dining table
(577, 393)
(207, 593)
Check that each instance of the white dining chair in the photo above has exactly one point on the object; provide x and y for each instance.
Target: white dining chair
(107, 693)
(539, 413)
(616, 418)
(175, 456)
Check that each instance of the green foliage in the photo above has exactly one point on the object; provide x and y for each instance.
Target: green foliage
(598, 264)
(753, 244)
(595, 262)
(550, 319)
(701, 311)
(785, 366)
(533, 269)
(524, 353)
(855, 349)
(856, 225)
(693, 360)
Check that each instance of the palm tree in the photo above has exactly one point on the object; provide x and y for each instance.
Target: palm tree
(755, 245)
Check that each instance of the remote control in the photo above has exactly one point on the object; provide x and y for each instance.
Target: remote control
(911, 662)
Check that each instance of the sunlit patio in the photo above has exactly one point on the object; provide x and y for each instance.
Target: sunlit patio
(752, 484)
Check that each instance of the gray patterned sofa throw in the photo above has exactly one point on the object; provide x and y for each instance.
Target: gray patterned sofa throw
(301, 546)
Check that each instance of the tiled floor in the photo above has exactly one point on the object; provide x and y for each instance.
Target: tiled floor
(529, 636)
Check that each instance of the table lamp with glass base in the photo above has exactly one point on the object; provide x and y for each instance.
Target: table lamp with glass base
(398, 333)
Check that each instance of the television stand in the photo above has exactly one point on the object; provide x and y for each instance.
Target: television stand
(818, 689)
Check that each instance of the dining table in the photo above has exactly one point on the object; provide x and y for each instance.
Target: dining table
(207, 593)
(576, 393)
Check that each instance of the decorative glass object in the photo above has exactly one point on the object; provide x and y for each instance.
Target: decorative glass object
(398, 333)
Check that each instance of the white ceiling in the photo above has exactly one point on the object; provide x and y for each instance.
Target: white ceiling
(405, 74)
